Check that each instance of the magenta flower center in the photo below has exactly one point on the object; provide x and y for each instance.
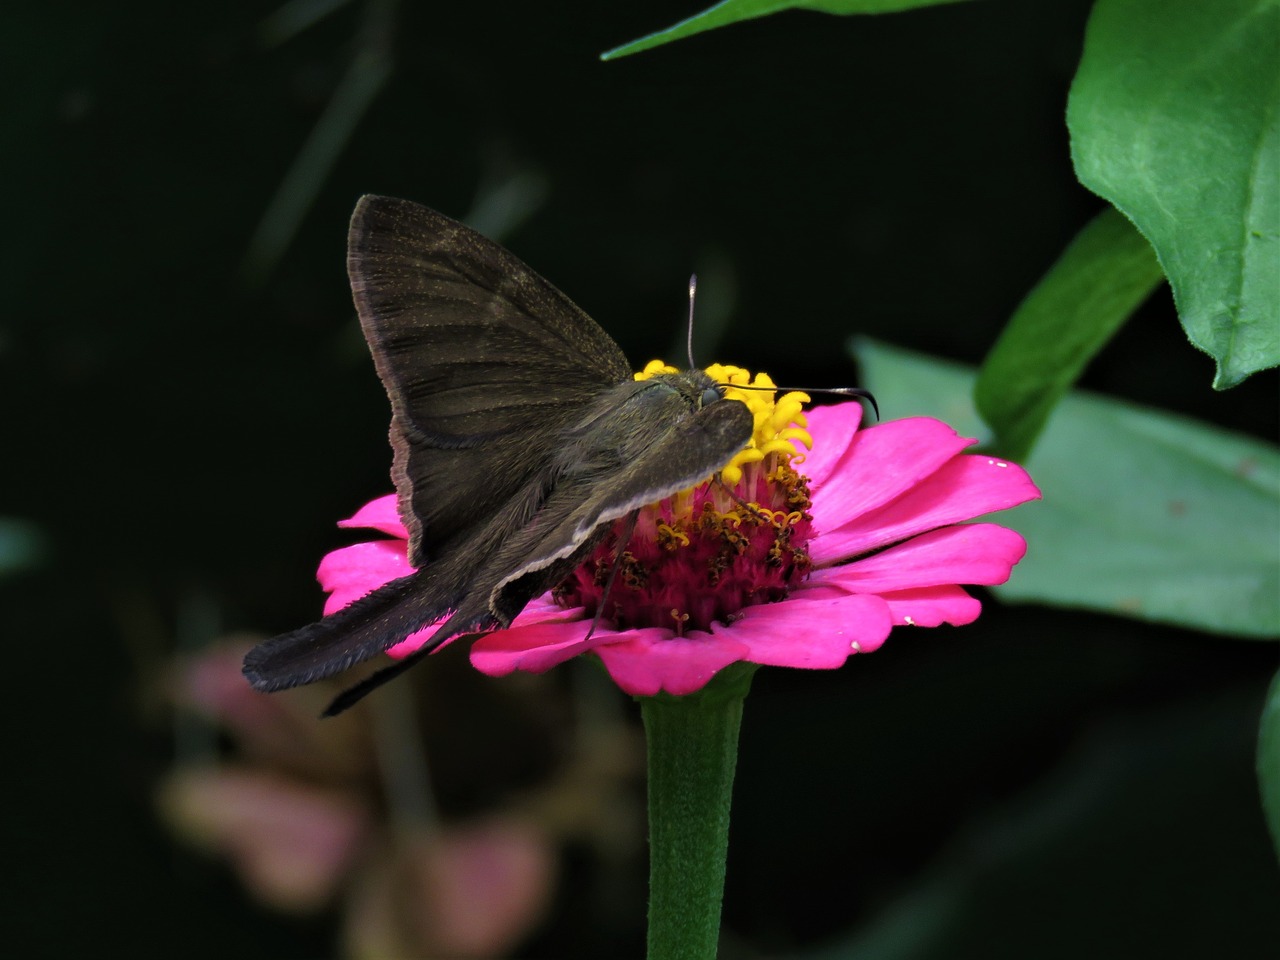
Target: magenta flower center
(703, 555)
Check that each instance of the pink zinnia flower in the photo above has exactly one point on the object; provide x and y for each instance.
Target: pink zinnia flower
(795, 559)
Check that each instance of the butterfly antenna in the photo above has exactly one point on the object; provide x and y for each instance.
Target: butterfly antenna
(838, 391)
(693, 291)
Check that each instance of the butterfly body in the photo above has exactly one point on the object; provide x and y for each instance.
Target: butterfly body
(519, 436)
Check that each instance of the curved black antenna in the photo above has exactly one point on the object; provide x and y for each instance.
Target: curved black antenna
(838, 391)
(693, 290)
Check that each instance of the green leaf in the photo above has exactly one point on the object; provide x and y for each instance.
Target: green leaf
(731, 11)
(1269, 761)
(1101, 278)
(23, 546)
(1174, 117)
(1145, 514)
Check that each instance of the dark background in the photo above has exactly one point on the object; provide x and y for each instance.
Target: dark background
(181, 429)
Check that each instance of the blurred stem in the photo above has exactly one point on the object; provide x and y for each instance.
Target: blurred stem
(693, 750)
(291, 19)
(355, 93)
(402, 758)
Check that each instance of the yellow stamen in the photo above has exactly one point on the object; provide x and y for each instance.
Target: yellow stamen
(670, 538)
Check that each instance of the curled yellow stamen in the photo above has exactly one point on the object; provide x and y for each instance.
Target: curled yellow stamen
(670, 538)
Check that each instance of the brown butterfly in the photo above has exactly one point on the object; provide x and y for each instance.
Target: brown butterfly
(519, 436)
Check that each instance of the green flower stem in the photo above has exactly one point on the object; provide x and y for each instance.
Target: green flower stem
(693, 749)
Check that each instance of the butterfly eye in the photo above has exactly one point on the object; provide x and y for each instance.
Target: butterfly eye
(711, 395)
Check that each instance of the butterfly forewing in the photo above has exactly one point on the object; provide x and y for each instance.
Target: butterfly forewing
(478, 355)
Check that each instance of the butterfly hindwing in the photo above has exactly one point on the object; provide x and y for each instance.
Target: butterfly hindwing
(482, 360)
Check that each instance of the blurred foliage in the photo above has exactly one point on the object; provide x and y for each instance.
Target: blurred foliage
(1073, 312)
(22, 546)
(1144, 515)
(175, 432)
(734, 11)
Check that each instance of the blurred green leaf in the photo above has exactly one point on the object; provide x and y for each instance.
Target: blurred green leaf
(334, 129)
(1100, 279)
(732, 11)
(1174, 117)
(1269, 761)
(23, 546)
(910, 384)
(1145, 514)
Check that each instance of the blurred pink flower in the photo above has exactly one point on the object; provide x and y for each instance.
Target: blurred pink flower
(291, 841)
(810, 574)
(303, 817)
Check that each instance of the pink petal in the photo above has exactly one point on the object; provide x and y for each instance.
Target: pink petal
(413, 641)
(964, 488)
(817, 631)
(932, 606)
(882, 463)
(537, 647)
(966, 553)
(654, 660)
(348, 573)
(544, 608)
(380, 514)
(538, 610)
(832, 429)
